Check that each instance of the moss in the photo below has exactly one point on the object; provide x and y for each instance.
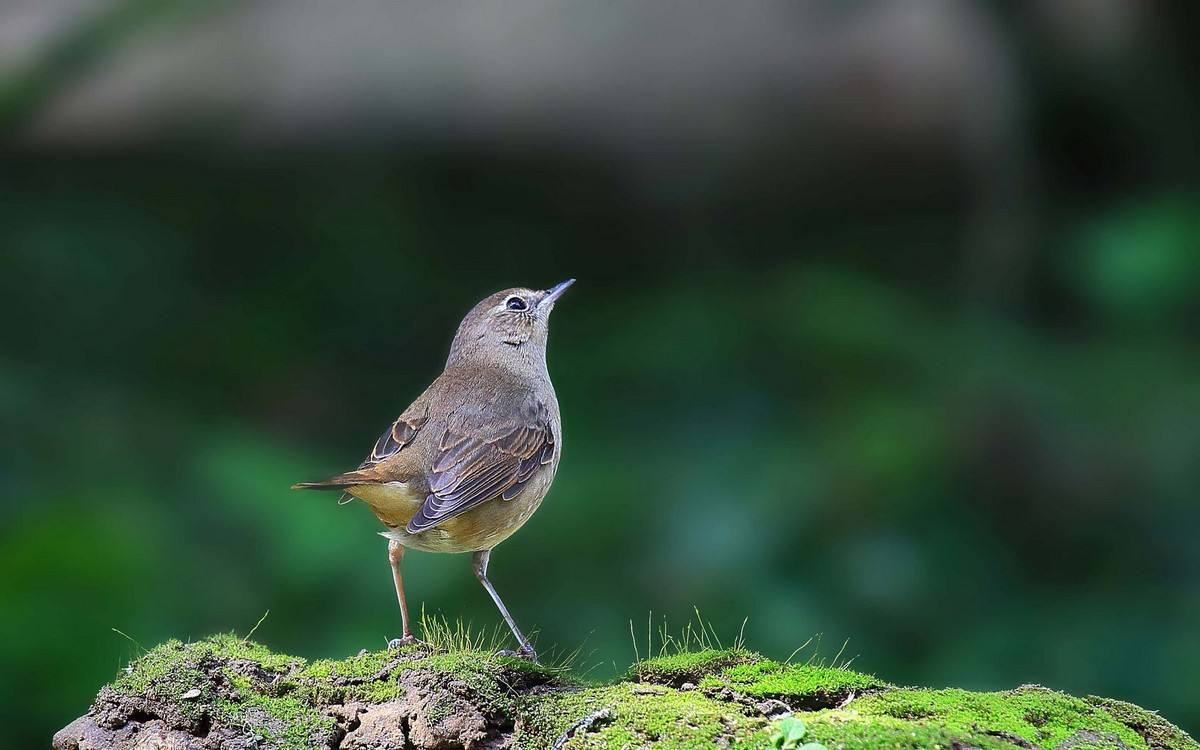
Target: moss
(280, 701)
(1159, 733)
(802, 686)
(365, 677)
(474, 664)
(179, 666)
(197, 679)
(494, 680)
(440, 709)
(165, 674)
(667, 719)
(164, 670)
(676, 669)
(373, 677)
(851, 730)
(286, 722)
(1037, 715)
(361, 667)
(230, 646)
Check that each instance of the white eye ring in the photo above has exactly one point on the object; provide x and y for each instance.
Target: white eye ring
(515, 303)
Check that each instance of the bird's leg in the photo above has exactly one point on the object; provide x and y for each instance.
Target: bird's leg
(479, 561)
(395, 555)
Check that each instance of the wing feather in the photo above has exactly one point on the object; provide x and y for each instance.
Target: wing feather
(478, 464)
(393, 439)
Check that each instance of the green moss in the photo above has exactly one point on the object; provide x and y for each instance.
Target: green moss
(373, 677)
(361, 667)
(850, 730)
(288, 723)
(176, 664)
(280, 701)
(1037, 715)
(201, 671)
(799, 685)
(365, 677)
(165, 674)
(473, 664)
(440, 709)
(1159, 733)
(494, 680)
(230, 646)
(676, 669)
(669, 719)
(165, 670)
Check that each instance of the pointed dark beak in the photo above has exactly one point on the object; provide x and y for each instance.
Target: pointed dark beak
(555, 292)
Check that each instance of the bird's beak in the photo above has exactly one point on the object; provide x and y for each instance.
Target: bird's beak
(554, 293)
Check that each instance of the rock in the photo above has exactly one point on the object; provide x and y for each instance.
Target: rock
(230, 694)
(772, 708)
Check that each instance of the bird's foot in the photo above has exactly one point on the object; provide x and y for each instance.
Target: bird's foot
(525, 652)
(407, 640)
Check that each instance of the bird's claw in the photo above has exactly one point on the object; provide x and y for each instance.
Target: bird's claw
(524, 652)
(396, 643)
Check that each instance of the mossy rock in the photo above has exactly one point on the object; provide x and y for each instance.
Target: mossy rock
(226, 692)
(1159, 733)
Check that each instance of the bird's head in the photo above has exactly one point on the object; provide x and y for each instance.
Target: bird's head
(508, 326)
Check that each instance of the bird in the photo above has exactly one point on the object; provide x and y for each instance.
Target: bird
(472, 458)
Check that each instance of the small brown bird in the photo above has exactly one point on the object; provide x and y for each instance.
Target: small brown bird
(472, 458)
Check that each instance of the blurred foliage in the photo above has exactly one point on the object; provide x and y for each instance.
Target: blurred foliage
(783, 405)
(824, 441)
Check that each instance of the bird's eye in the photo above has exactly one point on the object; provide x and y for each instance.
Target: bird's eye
(515, 303)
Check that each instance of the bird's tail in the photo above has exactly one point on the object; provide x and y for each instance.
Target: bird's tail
(339, 482)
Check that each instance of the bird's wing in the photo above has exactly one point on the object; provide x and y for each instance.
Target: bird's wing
(394, 438)
(478, 462)
(373, 469)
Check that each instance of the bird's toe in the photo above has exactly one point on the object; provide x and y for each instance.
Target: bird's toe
(525, 652)
(396, 643)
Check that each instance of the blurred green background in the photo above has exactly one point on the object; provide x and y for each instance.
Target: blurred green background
(887, 328)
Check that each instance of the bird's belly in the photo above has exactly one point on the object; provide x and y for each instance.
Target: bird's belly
(393, 502)
(479, 528)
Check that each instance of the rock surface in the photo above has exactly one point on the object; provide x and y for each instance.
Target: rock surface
(229, 693)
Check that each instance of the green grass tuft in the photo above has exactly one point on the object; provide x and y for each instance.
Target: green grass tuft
(439, 634)
(697, 634)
